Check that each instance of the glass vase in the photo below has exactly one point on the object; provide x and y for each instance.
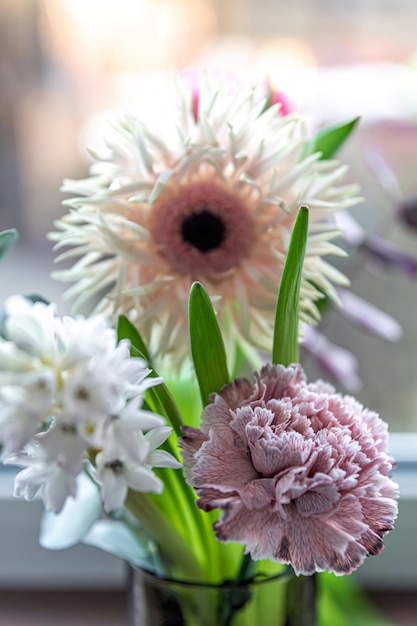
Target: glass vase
(282, 600)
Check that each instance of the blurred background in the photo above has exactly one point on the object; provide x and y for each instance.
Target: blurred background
(64, 64)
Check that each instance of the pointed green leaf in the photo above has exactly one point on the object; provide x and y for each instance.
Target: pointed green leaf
(7, 239)
(126, 330)
(329, 140)
(207, 347)
(285, 344)
(159, 397)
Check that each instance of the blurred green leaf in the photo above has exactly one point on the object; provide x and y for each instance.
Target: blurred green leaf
(35, 297)
(341, 601)
(207, 347)
(186, 393)
(285, 343)
(329, 140)
(7, 239)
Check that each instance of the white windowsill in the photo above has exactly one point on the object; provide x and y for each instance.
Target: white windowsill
(24, 564)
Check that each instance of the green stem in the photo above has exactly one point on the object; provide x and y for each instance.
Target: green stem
(239, 595)
(301, 601)
(246, 570)
(176, 551)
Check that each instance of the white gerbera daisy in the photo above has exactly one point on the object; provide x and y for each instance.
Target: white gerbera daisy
(209, 197)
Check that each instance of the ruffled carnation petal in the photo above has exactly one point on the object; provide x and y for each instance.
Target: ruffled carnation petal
(300, 473)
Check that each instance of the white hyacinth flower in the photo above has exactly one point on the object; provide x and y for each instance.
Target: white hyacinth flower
(54, 480)
(69, 390)
(28, 326)
(123, 427)
(126, 462)
(24, 399)
(117, 473)
(209, 197)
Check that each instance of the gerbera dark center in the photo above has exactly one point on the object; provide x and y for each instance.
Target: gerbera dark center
(201, 228)
(204, 231)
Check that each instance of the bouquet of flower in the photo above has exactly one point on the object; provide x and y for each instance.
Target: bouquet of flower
(200, 265)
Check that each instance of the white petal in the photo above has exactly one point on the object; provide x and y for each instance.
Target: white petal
(113, 490)
(157, 436)
(161, 458)
(143, 479)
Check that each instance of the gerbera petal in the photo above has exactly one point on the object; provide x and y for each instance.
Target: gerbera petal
(212, 198)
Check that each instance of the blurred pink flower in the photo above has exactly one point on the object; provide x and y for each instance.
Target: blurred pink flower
(300, 473)
(272, 96)
(279, 97)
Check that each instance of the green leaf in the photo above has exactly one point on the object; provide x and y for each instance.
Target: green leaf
(329, 140)
(207, 347)
(126, 330)
(285, 344)
(7, 239)
(159, 397)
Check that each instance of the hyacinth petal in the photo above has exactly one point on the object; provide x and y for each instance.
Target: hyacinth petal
(143, 479)
(299, 472)
(161, 458)
(28, 326)
(113, 491)
(157, 436)
(56, 491)
(72, 392)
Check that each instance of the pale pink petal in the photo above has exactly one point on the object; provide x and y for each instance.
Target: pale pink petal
(300, 473)
(217, 464)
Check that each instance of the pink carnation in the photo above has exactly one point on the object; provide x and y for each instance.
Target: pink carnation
(300, 473)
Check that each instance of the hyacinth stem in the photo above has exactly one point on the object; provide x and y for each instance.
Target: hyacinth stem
(175, 549)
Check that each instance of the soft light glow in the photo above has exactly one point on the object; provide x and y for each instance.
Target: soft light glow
(290, 65)
(129, 35)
